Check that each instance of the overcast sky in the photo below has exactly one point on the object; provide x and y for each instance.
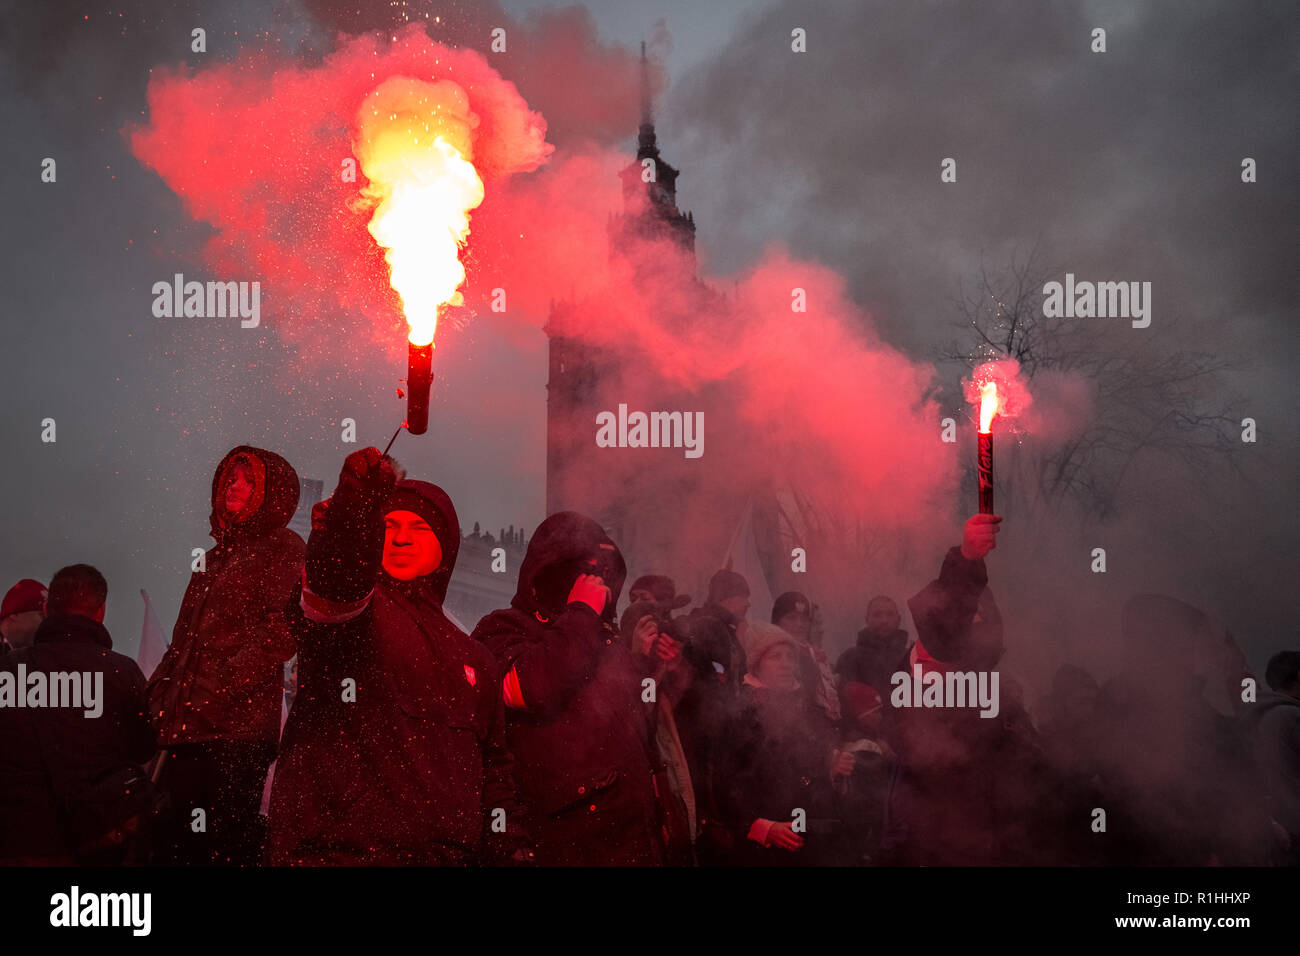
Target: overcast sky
(1126, 165)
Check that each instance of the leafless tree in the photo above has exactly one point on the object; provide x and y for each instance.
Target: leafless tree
(1148, 400)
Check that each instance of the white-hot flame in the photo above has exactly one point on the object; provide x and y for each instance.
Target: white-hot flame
(413, 141)
(988, 405)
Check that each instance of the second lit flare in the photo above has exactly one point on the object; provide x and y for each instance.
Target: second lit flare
(984, 448)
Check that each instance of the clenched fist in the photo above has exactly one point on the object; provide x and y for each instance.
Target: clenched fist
(590, 589)
(367, 478)
(979, 536)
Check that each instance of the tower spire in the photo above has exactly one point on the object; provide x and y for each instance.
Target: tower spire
(650, 183)
(646, 136)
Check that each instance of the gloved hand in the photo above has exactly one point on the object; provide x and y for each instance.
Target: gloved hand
(347, 538)
(365, 481)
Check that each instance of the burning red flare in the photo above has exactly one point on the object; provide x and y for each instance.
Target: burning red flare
(998, 390)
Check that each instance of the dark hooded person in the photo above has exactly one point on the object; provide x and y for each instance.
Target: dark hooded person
(72, 788)
(394, 752)
(214, 698)
(575, 719)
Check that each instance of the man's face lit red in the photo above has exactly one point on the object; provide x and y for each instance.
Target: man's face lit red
(411, 549)
(239, 489)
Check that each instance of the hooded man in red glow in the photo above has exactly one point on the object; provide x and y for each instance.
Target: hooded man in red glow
(214, 698)
(394, 752)
(576, 722)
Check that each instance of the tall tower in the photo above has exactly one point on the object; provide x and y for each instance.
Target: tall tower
(670, 514)
(650, 189)
(577, 369)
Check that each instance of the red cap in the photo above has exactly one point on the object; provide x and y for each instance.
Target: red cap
(859, 698)
(26, 595)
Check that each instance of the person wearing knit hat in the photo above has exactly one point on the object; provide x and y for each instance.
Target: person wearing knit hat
(778, 752)
(794, 608)
(761, 640)
(861, 705)
(21, 612)
(658, 589)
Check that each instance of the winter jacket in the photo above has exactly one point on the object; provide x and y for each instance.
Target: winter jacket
(712, 647)
(717, 663)
(671, 681)
(966, 786)
(873, 659)
(62, 772)
(221, 677)
(818, 680)
(864, 795)
(775, 759)
(1273, 727)
(576, 723)
(394, 751)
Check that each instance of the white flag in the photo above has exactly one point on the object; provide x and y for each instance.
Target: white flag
(743, 558)
(153, 644)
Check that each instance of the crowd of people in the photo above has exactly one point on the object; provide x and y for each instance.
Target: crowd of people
(561, 732)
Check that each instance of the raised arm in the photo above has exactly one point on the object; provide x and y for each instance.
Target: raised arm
(347, 540)
(944, 610)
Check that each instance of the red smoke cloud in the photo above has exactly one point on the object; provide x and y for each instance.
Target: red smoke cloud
(809, 401)
(256, 148)
(1060, 406)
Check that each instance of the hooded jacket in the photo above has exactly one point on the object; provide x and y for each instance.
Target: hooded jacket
(59, 766)
(577, 726)
(222, 676)
(394, 752)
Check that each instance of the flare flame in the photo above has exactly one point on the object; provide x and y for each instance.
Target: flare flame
(414, 143)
